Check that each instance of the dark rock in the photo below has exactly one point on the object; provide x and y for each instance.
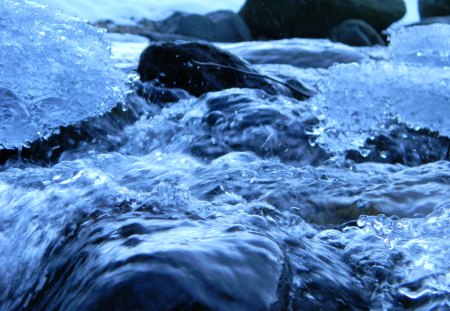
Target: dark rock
(161, 37)
(302, 53)
(241, 121)
(145, 28)
(220, 26)
(142, 28)
(313, 18)
(183, 266)
(179, 264)
(356, 32)
(432, 8)
(405, 146)
(201, 67)
(325, 280)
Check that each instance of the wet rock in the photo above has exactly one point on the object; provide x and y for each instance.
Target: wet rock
(243, 121)
(405, 146)
(432, 8)
(302, 53)
(161, 37)
(169, 265)
(144, 27)
(356, 32)
(314, 19)
(323, 281)
(136, 262)
(219, 26)
(201, 67)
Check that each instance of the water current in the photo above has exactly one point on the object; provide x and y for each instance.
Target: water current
(236, 200)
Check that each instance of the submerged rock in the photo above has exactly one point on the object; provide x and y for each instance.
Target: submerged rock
(133, 262)
(432, 8)
(201, 67)
(356, 33)
(314, 19)
(244, 121)
(139, 261)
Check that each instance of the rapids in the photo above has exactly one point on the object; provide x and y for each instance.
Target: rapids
(235, 200)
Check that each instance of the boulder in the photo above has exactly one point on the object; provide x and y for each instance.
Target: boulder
(356, 32)
(199, 68)
(313, 18)
(219, 26)
(432, 8)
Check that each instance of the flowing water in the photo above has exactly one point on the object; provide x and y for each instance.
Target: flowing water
(236, 200)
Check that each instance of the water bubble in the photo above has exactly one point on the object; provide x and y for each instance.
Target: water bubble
(383, 154)
(364, 152)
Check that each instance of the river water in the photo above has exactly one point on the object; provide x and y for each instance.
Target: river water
(236, 200)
